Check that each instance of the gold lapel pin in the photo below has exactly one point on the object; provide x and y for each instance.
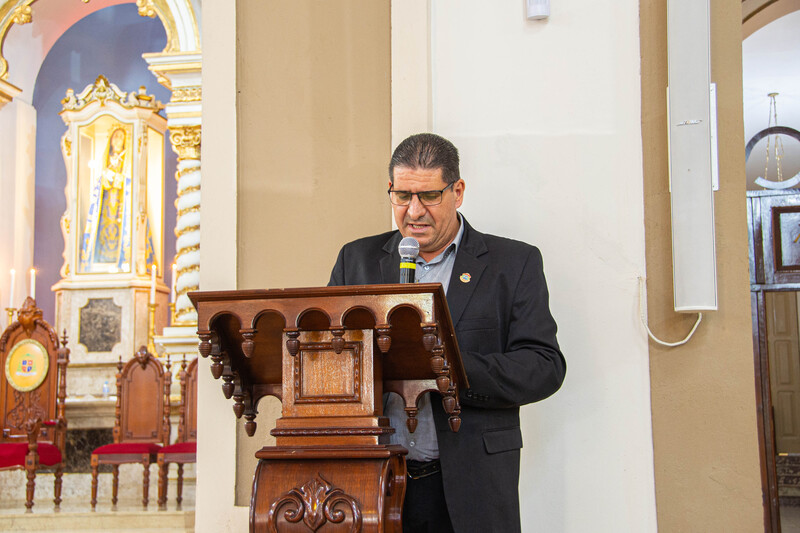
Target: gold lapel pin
(465, 277)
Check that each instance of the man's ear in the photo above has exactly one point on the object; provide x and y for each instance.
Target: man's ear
(458, 189)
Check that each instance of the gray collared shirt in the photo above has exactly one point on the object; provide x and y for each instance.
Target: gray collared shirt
(422, 445)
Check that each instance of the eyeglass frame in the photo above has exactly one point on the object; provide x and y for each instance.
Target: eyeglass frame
(440, 191)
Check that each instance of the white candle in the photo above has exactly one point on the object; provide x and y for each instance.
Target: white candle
(11, 289)
(153, 285)
(174, 278)
(33, 283)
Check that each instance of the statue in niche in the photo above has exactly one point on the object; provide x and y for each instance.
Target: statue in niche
(106, 239)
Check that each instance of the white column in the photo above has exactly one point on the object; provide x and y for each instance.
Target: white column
(181, 73)
(186, 143)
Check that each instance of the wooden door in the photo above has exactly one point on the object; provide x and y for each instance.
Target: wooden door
(783, 344)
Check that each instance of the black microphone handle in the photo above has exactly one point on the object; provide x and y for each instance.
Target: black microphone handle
(406, 273)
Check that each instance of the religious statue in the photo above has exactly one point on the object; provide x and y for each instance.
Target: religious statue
(106, 238)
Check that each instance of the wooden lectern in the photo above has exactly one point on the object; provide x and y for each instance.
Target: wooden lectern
(329, 354)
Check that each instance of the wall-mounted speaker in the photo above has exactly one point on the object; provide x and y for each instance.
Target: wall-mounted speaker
(692, 155)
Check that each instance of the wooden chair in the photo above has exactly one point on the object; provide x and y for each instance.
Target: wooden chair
(184, 450)
(32, 397)
(141, 425)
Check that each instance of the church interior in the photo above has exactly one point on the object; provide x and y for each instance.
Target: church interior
(567, 143)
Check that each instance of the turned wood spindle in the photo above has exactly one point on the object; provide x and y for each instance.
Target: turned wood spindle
(227, 386)
(205, 343)
(384, 340)
(428, 336)
(337, 343)
(411, 421)
(238, 405)
(216, 366)
(250, 425)
(248, 344)
(292, 343)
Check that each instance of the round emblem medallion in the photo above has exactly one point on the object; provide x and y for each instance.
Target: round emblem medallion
(26, 365)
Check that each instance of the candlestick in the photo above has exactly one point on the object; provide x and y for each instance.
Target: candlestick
(33, 283)
(10, 311)
(153, 284)
(151, 328)
(11, 290)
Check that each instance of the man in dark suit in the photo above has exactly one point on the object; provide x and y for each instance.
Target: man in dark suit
(497, 295)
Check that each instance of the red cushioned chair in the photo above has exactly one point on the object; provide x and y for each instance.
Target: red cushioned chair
(184, 450)
(141, 425)
(32, 396)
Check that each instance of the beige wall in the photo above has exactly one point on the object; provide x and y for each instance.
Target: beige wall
(315, 142)
(703, 393)
(314, 145)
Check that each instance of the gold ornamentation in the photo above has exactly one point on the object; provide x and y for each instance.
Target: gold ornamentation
(22, 15)
(186, 142)
(184, 251)
(187, 94)
(102, 90)
(7, 91)
(186, 310)
(184, 171)
(187, 229)
(190, 268)
(187, 190)
(67, 147)
(146, 8)
(193, 209)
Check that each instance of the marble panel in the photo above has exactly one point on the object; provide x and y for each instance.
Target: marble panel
(79, 446)
(101, 324)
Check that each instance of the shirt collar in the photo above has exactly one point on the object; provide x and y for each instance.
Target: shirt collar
(452, 248)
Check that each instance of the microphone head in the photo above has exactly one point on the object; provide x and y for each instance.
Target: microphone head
(409, 247)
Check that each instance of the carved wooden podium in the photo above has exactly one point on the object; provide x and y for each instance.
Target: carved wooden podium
(329, 354)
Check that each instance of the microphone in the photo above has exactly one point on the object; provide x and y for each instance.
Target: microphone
(409, 250)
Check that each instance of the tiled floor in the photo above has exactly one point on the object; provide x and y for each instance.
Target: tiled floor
(129, 516)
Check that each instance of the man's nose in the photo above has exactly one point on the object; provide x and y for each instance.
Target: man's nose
(415, 207)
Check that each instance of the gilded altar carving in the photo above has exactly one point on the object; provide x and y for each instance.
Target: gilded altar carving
(22, 15)
(103, 91)
(146, 8)
(187, 94)
(186, 141)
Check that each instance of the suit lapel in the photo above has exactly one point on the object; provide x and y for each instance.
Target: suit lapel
(390, 261)
(469, 265)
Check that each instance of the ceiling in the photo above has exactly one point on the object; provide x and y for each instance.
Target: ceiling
(771, 63)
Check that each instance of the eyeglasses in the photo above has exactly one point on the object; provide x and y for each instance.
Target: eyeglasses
(426, 198)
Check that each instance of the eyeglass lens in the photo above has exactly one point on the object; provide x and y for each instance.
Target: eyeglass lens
(425, 197)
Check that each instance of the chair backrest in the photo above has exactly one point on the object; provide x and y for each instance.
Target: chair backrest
(140, 409)
(34, 381)
(187, 423)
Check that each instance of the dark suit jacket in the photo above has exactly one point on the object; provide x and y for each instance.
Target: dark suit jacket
(507, 338)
